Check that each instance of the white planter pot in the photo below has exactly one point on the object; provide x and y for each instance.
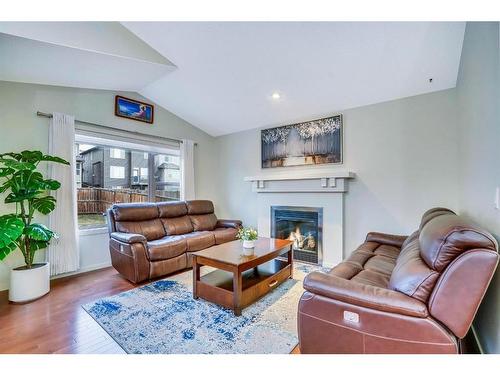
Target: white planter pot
(248, 244)
(29, 284)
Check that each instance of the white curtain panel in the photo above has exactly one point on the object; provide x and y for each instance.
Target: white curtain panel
(187, 177)
(63, 254)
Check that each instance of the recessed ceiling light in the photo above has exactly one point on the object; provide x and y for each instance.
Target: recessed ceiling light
(276, 95)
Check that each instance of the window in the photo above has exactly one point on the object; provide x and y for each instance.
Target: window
(116, 153)
(116, 172)
(135, 176)
(127, 175)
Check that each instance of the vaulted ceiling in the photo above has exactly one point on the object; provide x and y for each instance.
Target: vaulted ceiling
(221, 76)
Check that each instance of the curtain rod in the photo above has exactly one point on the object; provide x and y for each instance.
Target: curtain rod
(49, 115)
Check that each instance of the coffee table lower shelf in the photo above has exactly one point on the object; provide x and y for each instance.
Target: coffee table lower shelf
(236, 290)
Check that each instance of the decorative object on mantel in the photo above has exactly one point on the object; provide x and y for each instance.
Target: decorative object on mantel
(134, 109)
(248, 235)
(29, 191)
(312, 142)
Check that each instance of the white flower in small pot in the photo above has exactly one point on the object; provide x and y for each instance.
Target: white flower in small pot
(248, 235)
(28, 190)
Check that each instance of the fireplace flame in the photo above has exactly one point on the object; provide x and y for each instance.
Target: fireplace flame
(301, 242)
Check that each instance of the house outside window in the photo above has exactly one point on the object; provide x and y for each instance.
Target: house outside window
(117, 153)
(116, 172)
(111, 175)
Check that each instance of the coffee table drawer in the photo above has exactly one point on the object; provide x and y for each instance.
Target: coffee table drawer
(265, 286)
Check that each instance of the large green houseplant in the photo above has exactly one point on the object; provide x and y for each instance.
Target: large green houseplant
(29, 191)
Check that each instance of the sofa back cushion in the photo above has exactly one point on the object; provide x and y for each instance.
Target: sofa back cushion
(141, 218)
(200, 207)
(432, 213)
(446, 237)
(411, 275)
(201, 214)
(174, 217)
(172, 209)
(203, 222)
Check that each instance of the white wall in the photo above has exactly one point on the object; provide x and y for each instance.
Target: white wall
(404, 153)
(21, 129)
(478, 99)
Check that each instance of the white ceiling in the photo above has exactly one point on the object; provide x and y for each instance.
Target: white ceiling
(97, 55)
(225, 73)
(228, 71)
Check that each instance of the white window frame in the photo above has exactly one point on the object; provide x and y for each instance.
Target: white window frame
(87, 136)
(116, 169)
(117, 153)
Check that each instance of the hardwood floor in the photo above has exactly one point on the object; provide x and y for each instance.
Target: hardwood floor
(56, 323)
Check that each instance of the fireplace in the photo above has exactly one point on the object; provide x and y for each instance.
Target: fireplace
(303, 226)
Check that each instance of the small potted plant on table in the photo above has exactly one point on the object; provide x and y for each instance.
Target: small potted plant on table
(248, 235)
(28, 190)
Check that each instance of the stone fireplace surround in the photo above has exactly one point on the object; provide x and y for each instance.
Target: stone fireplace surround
(306, 189)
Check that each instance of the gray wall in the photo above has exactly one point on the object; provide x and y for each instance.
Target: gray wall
(404, 153)
(478, 99)
(21, 129)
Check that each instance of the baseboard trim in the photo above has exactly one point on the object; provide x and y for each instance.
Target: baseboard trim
(83, 270)
(5, 286)
(476, 338)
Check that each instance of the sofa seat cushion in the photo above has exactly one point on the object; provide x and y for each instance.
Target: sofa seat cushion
(371, 264)
(164, 267)
(199, 240)
(373, 278)
(223, 235)
(166, 248)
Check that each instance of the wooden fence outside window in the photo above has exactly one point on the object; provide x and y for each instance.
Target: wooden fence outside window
(98, 200)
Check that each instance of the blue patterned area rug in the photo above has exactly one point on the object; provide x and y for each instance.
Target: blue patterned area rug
(163, 318)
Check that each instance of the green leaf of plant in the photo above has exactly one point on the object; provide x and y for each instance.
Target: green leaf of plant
(6, 172)
(31, 156)
(44, 205)
(38, 245)
(38, 232)
(19, 196)
(13, 155)
(50, 184)
(4, 251)
(11, 227)
(55, 159)
(5, 186)
(18, 165)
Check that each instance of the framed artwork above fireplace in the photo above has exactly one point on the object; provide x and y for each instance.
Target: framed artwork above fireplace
(312, 142)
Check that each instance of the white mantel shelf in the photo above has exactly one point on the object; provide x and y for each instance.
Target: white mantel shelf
(301, 182)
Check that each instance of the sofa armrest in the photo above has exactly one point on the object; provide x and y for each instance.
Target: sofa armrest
(128, 237)
(369, 296)
(386, 239)
(225, 223)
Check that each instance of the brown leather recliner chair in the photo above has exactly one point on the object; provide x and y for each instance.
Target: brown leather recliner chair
(398, 294)
(150, 240)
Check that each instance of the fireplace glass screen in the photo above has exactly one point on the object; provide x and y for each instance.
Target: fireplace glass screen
(303, 226)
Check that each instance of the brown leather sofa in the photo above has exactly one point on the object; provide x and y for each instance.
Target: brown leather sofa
(399, 294)
(149, 240)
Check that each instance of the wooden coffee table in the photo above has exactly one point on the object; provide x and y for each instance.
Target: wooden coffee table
(240, 280)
